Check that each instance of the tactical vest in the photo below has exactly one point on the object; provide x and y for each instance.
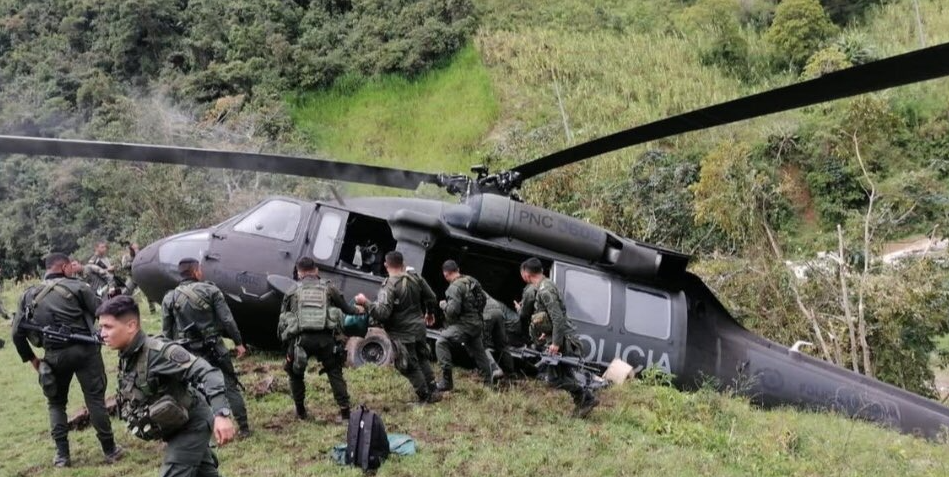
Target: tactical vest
(310, 310)
(34, 337)
(152, 409)
(187, 294)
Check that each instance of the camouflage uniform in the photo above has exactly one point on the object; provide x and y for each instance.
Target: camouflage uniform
(321, 344)
(496, 315)
(3, 311)
(549, 313)
(201, 306)
(151, 369)
(96, 274)
(126, 272)
(399, 308)
(465, 326)
(68, 304)
(527, 311)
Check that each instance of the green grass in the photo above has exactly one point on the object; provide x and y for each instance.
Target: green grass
(524, 429)
(435, 123)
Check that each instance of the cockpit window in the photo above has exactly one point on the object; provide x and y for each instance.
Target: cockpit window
(587, 297)
(186, 246)
(277, 219)
(326, 236)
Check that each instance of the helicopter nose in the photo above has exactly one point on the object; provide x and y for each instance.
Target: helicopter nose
(155, 268)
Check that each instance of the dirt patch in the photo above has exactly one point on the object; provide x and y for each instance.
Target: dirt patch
(796, 190)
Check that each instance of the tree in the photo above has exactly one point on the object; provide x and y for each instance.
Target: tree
(799, 29)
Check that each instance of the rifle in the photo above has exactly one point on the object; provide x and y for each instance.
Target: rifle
(61, 335)
(547, 359)
(206, 348)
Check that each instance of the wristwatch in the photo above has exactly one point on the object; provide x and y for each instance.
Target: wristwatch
(223, 412)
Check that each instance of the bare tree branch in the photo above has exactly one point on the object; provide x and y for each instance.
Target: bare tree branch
(797, 296)
(867, 258)
(845, 300)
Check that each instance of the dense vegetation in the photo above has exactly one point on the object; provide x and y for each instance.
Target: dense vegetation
(440, 85)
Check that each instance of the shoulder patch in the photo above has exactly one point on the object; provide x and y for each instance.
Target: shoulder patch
(179, 355)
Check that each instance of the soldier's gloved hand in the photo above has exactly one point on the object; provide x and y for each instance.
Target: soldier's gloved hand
(241, 351)
(223, 430)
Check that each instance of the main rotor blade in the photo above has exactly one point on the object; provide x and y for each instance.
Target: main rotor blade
(912, 67)
(248, 161)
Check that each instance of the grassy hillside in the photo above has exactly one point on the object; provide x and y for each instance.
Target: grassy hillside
(433, 123)
(642, 428)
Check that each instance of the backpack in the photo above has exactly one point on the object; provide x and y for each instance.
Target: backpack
(476, 294)
(367, 444)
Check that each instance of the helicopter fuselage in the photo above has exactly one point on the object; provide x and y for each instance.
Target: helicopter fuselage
(630, 301)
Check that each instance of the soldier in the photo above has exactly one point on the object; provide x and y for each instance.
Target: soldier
(159, 382)
(126, 272)
(67, 304)
(549, 313)
(74, 270)
(309, 320)
(196, 313)
(404, 305)
(495, 334)
(3, 311)
(98, 270)
(463, 306)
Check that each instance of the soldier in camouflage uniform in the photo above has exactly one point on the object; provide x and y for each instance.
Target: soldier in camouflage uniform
(463, 306)
(197, 313)
(3, 311)
(404, 305)
(310, 319)
(66, 304)
(495, 334)
(126, 271)
(165, 391)
(98, 270)
(551, 327)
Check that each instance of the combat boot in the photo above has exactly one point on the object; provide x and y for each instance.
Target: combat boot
(585, 404)
(113, 453)
(446, 384)
(62, 454)
(301, 410)
(431, 397)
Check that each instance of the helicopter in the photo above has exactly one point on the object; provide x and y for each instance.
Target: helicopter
(629, 300)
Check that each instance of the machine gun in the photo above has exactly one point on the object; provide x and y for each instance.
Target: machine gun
(61, 335)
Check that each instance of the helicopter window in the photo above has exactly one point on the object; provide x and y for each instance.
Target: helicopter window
(277, 219)
(325, 242)
(648, 314)
(587, 297)
(186, 246)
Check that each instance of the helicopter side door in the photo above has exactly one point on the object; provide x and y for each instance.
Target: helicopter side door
(616, 319)
(335, 232)
(265, 240)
